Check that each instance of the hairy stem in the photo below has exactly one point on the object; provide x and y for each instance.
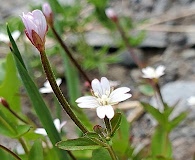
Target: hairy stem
(65, 105)
(129, 48)
(68, 52)
(108, 125)
(22, 142)
(111, 152)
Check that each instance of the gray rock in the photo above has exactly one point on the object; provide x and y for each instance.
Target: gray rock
(174, 91)
(154, 39)
(127, 60)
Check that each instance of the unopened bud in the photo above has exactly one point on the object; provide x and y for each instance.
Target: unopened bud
(111, 14)
(98, 129)
(47, 11)
(4, 102)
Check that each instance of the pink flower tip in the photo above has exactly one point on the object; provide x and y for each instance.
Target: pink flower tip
(35, 28)
(47, 11)
(111, 14)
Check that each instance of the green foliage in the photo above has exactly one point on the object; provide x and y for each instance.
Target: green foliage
(2, 70)
(115, 123)
(82, 143)
(36, 152)
(160, 144)
(5, 155)
(35, 97)
(100, 153)
(122, 137)
(146, 89)
(8, 89)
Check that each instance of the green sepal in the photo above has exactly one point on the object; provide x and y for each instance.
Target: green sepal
(115, 123)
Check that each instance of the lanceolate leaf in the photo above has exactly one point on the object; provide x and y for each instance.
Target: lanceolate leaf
(78, 144)
(115, 123)
(177, 120)
(36, 99)
(155, 113)
(36, 152)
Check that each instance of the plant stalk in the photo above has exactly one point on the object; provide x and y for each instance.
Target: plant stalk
(108, 125)
(111, 152)
(68, 52)
(129, 48)
(52, 80)
(10, 152)
(23, 145)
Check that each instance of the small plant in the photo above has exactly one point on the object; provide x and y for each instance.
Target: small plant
(109, 140)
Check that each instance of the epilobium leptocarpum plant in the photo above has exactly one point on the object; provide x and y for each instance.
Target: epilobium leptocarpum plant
(108, 141)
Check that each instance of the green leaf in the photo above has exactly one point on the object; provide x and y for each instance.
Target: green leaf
(101, 154)
(21, 130)
(36, 99)
(36, 152)
(115, 122)
(8, 89)
(146, 89)
(78, 144)
(175, 122)
(2, 69)
(155, 113)
(160, 144)
(5, 155)
(92, 135)
(121, 137)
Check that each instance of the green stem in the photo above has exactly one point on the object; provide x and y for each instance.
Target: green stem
(52, 80)
(108, 126)
(129, 48)
(111, 152)
(22, 142)
(17, 116)
(68, 52)
(10, 152)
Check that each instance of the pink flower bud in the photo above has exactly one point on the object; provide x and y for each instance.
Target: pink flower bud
(111, 14)
(35, 28)
(4, 102)
(48, 13)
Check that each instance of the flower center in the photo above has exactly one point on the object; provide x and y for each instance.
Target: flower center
(103, 100)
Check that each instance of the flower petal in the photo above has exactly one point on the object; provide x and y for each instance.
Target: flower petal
(120, 90)
(87, 102)
(119, 94)
(109, 111)
(160, 71)
(119, 98)
(41, 131)
(105, 86)
(57, 124)
(58, 81)
(45, 90)
(103, 111)
(96, 86)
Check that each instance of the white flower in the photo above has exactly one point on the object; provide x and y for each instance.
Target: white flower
(57, 124)
(5, 38)
(152, 73)
(103, 98)
(47, 87)
(191, 101)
